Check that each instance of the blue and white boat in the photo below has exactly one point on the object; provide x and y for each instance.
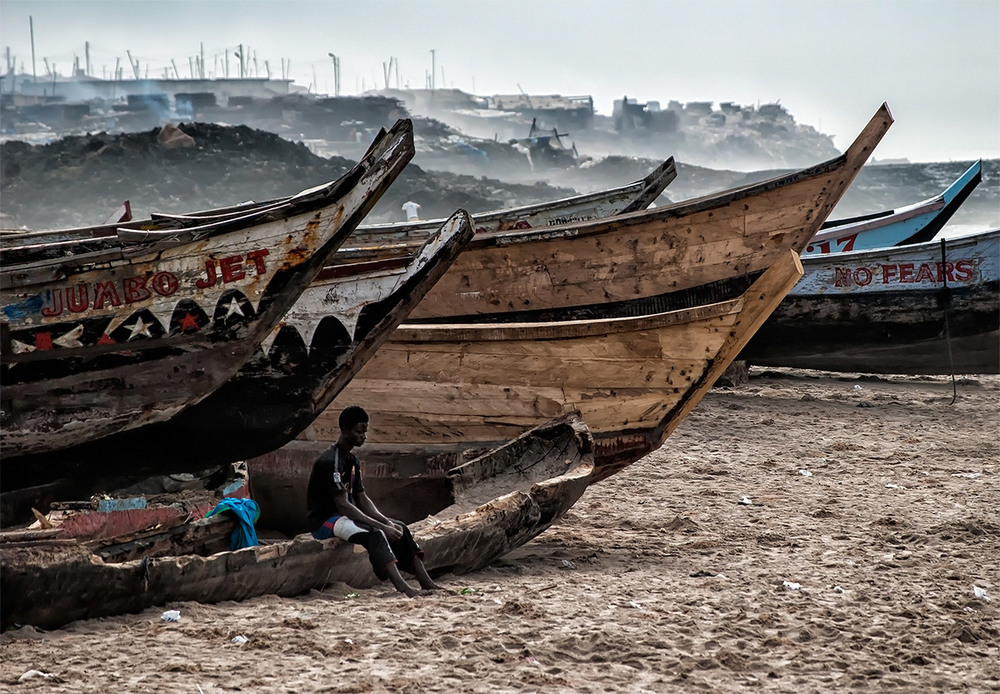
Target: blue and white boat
(914, 223)
(926, 308)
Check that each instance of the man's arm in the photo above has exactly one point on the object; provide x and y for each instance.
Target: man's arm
(368, 507)
(367, 514)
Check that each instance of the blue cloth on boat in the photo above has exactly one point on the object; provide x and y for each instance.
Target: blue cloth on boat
(247, 512)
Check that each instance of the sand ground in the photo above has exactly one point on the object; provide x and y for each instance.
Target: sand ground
(804, 532)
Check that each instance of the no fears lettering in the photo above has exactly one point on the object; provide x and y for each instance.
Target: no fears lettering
(130, 290)
(905, 273)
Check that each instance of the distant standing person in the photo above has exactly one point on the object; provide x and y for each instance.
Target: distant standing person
(412, 211)
(339, 507)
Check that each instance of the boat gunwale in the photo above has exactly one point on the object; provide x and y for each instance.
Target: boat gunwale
(556, 330)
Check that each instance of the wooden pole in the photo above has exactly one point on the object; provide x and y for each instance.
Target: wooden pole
(134, 64)
(31, 26)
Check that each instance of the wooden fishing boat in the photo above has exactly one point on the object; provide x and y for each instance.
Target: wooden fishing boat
(154, 504)
(631, 197)
(928, 308)
(277, 391)
(439, 393)
(495, 504)
(645, 253)
(99, 341)
(641, 264)
(914, 223)
(339, 321)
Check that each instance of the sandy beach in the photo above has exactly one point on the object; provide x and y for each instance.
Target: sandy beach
(803, 532)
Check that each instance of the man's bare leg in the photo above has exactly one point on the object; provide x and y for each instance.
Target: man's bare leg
(397, 580)
(420, 571)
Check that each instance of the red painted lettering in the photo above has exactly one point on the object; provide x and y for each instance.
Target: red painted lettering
(134, 289)
(165, 283)
(209, 280)
(57, 304)
(924, 273)
(906, 272)
(843, 277)
(78, 298)
(964, 270)
(847, 243)
(258, 260)
(231, 270)
(944, 270)
(106, 291)
(888, 273)
(863, 276)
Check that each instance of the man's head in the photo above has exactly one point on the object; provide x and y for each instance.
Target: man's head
(353, 426)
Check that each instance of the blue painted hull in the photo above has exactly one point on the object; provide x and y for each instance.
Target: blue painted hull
(914, 223)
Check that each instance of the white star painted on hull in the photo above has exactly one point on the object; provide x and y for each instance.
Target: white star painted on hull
(140, 327)
(234, 307)
(21, 347)
(70, 339)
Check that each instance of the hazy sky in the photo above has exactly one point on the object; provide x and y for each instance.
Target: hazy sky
(830, 62)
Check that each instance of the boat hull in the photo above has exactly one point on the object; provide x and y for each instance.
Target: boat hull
(500, 502)
(292, 377)
(921, 309)
(440, 394)
(914, 223)
(646, 253)
(155, 321)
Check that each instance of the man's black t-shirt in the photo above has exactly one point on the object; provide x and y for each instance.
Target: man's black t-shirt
(333, 473)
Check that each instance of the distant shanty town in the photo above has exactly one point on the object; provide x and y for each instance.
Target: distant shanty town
(766, 135)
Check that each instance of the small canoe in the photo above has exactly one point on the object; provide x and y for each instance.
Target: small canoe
(497, 503)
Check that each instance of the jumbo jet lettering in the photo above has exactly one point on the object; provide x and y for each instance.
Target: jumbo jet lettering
(130, 290)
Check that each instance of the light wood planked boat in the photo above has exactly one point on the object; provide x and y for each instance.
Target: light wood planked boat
(439, 393)
(649, 252)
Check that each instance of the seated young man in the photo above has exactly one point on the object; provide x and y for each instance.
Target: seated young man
(339, 507)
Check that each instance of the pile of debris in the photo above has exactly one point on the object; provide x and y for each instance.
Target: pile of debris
(80, 180)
